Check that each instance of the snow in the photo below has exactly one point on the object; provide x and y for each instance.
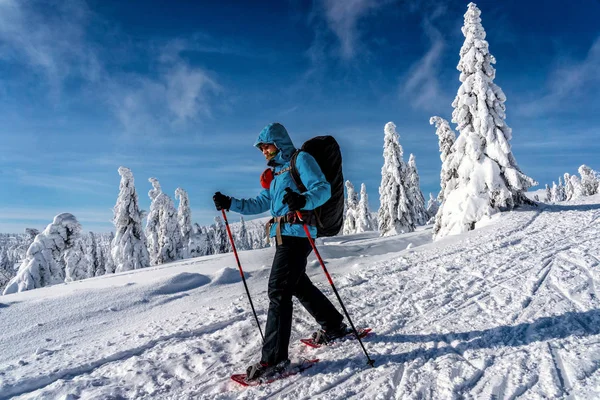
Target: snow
(507, 310)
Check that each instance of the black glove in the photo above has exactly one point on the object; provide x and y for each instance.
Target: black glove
(222, 202)
(295, 201)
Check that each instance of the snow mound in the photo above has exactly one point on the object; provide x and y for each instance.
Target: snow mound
(182, 282)
(228, 275)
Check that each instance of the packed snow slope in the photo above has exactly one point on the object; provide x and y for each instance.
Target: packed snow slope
(508, 310)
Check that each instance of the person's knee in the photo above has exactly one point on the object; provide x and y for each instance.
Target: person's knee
(279, 295)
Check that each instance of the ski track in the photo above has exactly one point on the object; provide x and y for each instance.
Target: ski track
(508, 311)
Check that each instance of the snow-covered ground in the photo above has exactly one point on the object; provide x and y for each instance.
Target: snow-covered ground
(509, 310)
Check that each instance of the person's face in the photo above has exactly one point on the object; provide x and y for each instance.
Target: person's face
(269, 150)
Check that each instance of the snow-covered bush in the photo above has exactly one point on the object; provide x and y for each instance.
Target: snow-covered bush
(47, 257)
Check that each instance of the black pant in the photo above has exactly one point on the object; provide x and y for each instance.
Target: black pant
(288, 277)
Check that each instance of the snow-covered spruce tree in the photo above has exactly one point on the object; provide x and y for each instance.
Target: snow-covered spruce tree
(109, 264)
(219, 237)
(242, 237)
(548, 198)
(432, 208)
(394, 213)
(560, 191)
(92, 255)
(568, 186)
(488, 177)
(128, 247)
(6, 268)
(363, 215)
(162, 228)
(577, 188)
(590, 180)
(76, 262)
(170, 241)
(184, 218)
(45, 262)
(446, 139)
(414, 194)
(554, 192)
(351, 210)
(153, 220)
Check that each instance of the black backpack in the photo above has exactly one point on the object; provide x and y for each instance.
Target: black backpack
(326, 151)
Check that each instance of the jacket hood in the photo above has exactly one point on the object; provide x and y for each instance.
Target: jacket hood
(277, 134)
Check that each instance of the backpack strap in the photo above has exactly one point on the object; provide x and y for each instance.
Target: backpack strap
(296, 178)
(295, 174)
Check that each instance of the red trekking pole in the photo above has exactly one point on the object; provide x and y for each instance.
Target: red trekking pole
(242, 274)
(312, 243)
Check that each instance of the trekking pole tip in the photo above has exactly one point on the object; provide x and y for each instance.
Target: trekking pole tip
(371, 363)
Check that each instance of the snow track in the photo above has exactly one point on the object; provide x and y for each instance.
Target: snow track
(509, 310)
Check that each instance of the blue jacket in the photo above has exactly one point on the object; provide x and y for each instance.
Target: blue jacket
(318, 189)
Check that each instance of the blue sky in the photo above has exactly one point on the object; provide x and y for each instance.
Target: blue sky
(180, 90)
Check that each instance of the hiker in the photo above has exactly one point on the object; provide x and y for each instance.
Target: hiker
(288, 272)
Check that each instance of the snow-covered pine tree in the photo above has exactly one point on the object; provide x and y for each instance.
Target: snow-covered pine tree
(128, 247)
(548, 198)
(76, 262)
(162, 229)
(394, 214)
(184, 218)
(489, 178)
(414, 194)
(432, 208)
(560, 191)
(577, 188)
(446, 139)
(169, 234)
(219, 236)
(363, 215)
(351, 210)
(31, 234)
(45, 262)
(554, 192)
(242, 237)
(93, 263)
(6, 268)
(153, 221)
(109, 264)
(590, 180)
(568, 186)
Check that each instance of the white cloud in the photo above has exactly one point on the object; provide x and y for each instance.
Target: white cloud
(342, 18)
(187, 91)
(421, 85)
(61, 182)
(566, 81)
(41, 214)
(56, 40)
(50, 41)
(158, 105)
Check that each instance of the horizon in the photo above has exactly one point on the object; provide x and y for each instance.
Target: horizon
(172, 92)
